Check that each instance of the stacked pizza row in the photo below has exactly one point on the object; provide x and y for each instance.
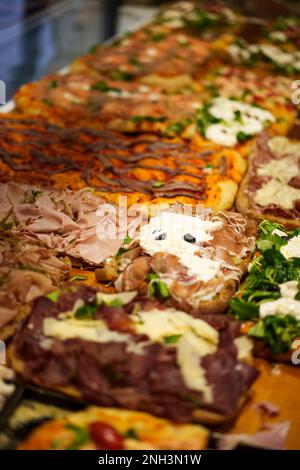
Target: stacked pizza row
(128, 278)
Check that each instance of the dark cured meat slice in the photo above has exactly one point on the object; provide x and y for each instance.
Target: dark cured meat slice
(109, 375)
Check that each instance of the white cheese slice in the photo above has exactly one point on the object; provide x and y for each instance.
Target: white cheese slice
(282, 306)
(158, 324)
(283, 169)
(89, 330)
(196, 339)
(289, 289)
(292, 248)
(275, 192)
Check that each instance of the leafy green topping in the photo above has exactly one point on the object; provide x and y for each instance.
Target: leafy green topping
(157, 288)
(54, 296)
(200, 20)
(172, 339)
(278, 331)
(205, 119)
(121, 75)
(87, 311)
(131, 433)
(148, 118)
(243, 136)
(78, 277)
(158, 184)
(267, 271)
(53, 84)
(48, 102)
(176, 128)
(81, 436)
(127, 240)
(102, 86)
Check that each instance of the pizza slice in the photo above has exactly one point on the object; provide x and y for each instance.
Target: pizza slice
(119, 351)
(268, 302)
(147, 52)
(115, 429)
(271, 187)
(145, 168)
(270, 92)
(191, 262)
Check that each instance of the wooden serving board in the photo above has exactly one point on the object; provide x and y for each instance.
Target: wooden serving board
(277, 384)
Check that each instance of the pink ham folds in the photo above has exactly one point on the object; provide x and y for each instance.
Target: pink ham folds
(27, 270)
(67, 222)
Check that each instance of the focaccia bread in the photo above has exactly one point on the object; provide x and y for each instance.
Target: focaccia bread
(271, 187)
(193, 262)
(115, 429)
(117, 350)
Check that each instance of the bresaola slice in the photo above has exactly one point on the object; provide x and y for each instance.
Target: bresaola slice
(193, 262)
(136, 355)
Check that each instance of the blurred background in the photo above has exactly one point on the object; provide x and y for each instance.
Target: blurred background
(42, 36)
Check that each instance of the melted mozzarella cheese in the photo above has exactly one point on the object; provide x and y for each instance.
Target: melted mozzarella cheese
(292, 248)
(165, 233)
(236, 117)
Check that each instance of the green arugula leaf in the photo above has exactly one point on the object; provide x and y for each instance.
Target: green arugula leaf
(102, 86)
(172, 339)
(54, 296)
(86, 312)
(81, 436)
(157, 288)
(131, 433)
(78, 277)
(243, 310)
(121, 75)
(278, 331)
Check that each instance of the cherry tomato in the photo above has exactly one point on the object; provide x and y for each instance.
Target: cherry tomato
(105, 437)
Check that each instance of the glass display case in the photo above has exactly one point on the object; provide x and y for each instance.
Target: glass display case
(38, 37)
